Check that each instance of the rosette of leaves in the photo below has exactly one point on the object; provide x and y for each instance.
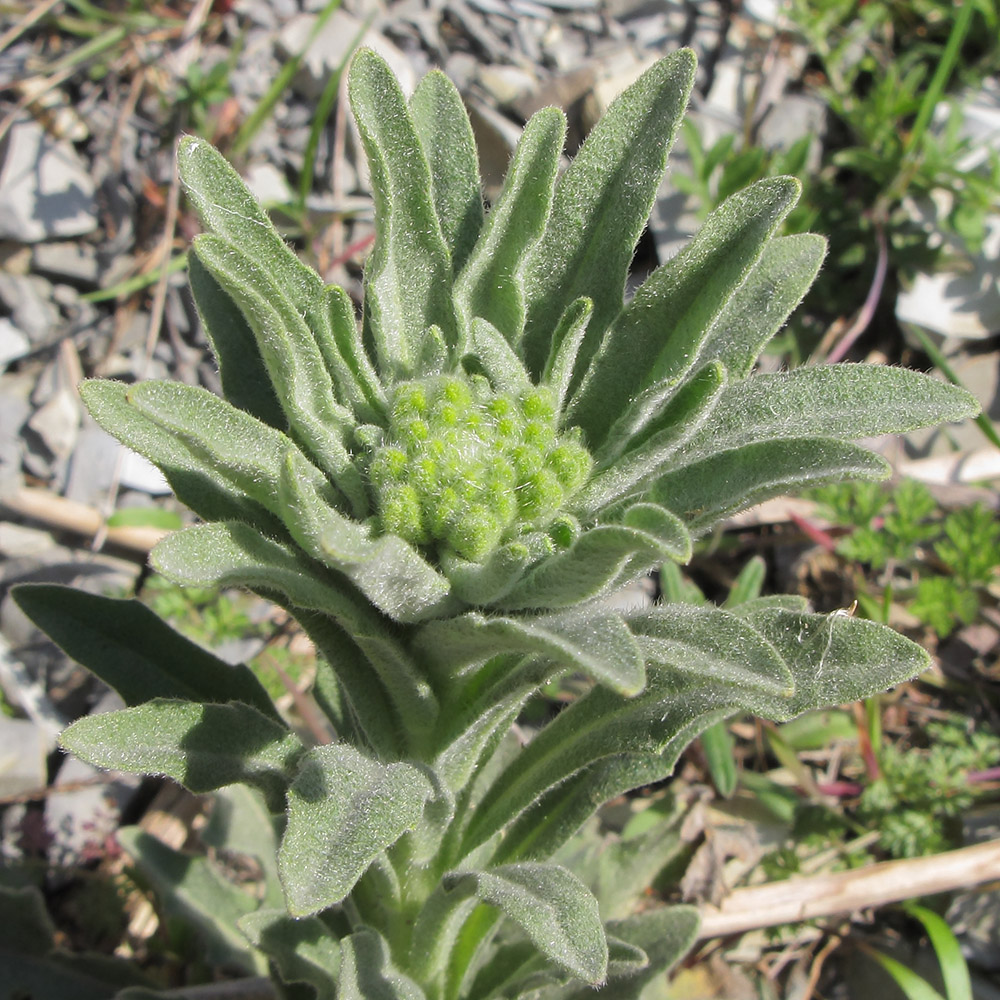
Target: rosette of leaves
(443, 495)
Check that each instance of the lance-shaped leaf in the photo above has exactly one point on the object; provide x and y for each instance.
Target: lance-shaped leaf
(834, 658)
(191, 890)
(294, 363)
(194, 480)
(344, 809)
(552, 906)
(492, 283)
(656, 339)
(711, 643)
(227, 207)
(245, 381)
(595, 563)
(592, 640)
(447, 140)
(367, 971)
(565, 347)
(649, 453)
(706, 491)
(485, 582)
(134, 651)
(601, 205)
(203, 747)
(499, 362)
(851, 400)
(247, 453)
(758, 308)
(303, 950)
(409, 271)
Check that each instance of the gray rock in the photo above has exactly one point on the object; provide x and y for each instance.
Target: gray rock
(14, 343)
(45, 190)
(15, 391)
(70, 261)
(20, 542)
(29, 299)
(92, 465)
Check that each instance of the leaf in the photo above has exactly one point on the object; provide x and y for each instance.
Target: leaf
(190, 890)
(717, 745)
(706, 491)
(837, 659)
(294, 363)
(227, 207)
(650, 452)
(303, 949)
(133, 651)
(602, 560)
(450, 147)
(566, 341)
(499, 362)
(666, 935)
(776, 284)
(601, 205)
(914, 986)
(242, 372)
(954, 971)
(195, 482)
(367, 972)
(344, 809)
(203, 747)
(656, 339)
(491, 285)
(486, 582)
(594, 641)
(553, 907)
(854, 401)
(408, 275)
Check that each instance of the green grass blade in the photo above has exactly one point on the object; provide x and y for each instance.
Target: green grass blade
(954, 971)
(906, 979)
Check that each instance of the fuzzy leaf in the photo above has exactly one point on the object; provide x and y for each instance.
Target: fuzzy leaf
(656, 339)
(649, 453)
(593, 641)
(203, 747)
(133, 651)
(190, 890)
(303, 950)
(552, 906)
(853, 401)
(195, 480)
(447, 140)
(492, 284)
(706, 491)
(245, 382)
(595, 563)
(408, 273)
(758, 308)
(227, 207)
(367, 972)
(344, 809)
(486, 582)
(294, 362)
(566, 341)
(601, 206)
(499, 362)
(834, 658)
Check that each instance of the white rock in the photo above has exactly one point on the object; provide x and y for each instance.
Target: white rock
(138, 473)
(13, 343)
(268, 184)
(23, 748)
(45, 190)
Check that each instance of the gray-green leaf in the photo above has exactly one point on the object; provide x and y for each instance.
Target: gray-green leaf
(344, 810)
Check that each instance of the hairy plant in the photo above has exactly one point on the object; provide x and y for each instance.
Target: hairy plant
(443, 496)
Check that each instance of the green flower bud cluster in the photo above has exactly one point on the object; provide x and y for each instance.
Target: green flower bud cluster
(465, 468)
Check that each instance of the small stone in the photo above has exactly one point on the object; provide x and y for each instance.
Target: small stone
(268, 184)
(20, 542)
(29, 299)
(45, 189)
(138, 473)
(76, 262)
(57, 422)
(505, 84)
(23, 750)
(13, 343)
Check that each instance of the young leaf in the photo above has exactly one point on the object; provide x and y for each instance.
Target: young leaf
(303, 950)
(499, 362)
(601, 205)
(656, 339)
(447, 140)
(492, 283)
(408, 274)
(134, 651)
(552, 906)
(566, 341)
(367, 971)
(203, 747)
(344, 809)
